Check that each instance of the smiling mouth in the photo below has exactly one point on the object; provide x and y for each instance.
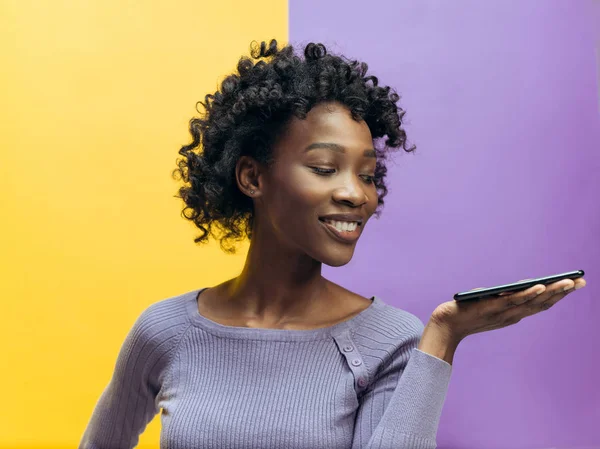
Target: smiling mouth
(341, 235)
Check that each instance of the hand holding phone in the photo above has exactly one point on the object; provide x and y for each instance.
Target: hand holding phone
(454, 320)
(500, 290)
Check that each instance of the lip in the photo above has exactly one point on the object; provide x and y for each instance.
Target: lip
(344, 217)
(344, 237)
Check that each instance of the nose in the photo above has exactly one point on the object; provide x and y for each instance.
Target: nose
(350, 191)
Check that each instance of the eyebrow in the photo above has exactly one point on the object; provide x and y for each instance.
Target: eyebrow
(337, 147)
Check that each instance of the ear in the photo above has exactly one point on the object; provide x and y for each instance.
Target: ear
(248, 176)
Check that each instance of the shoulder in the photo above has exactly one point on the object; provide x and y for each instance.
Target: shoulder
(163, 319)
(158, 328)
(150, 344)
(387, 336)
(390, 323)
(384, 319)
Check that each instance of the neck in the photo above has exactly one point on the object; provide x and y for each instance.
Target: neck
(277, 285)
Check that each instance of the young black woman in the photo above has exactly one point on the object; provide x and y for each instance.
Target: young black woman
(280, 357)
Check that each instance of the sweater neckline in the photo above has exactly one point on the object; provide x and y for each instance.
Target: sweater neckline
(252, 333)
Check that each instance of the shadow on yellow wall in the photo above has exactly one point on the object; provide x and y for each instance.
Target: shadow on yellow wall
(96, 99)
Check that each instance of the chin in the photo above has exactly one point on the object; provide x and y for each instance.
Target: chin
(337, 258)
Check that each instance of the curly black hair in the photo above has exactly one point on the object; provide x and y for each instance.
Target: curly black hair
(249, 111)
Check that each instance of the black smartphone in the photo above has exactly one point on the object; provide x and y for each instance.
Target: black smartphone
(517, 286)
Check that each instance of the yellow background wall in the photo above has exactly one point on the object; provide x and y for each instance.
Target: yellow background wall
(96, 98)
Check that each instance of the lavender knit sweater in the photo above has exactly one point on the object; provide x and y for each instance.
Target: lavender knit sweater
(358, 384)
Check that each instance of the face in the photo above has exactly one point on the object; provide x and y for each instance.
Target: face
(324, 165)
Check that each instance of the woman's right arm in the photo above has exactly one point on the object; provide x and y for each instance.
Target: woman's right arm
(129, 401)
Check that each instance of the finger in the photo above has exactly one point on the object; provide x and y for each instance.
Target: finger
(554, 293)
(500, 304)
(530, 305)
(510, 293)
(539, 304)
(560, 293)
(551, 290)
(556, 286)
(525, 296)
(553, 300)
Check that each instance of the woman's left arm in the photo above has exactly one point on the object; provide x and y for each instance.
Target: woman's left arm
(418, 384)
(401, 408)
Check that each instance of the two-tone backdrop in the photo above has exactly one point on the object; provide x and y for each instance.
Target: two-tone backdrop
(502, 101)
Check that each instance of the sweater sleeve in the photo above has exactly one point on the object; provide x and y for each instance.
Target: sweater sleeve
(401, 409)
(129, 401)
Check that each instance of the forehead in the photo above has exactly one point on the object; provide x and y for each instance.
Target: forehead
(329, 122)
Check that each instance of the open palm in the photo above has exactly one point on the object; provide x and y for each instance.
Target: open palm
(465, 318)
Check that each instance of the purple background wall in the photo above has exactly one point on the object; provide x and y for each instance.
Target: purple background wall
(502, 102)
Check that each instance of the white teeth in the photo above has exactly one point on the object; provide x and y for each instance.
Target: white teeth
(343, 225)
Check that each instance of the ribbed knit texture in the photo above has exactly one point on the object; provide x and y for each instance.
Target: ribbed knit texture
(358, 384)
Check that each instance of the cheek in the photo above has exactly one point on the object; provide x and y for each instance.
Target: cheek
(299, 203)
(298, 196)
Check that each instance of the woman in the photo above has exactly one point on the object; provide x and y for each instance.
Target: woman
(280, 357)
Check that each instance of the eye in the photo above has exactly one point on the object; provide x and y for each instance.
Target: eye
(328, 171)
(370, 179)
(323, 171)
